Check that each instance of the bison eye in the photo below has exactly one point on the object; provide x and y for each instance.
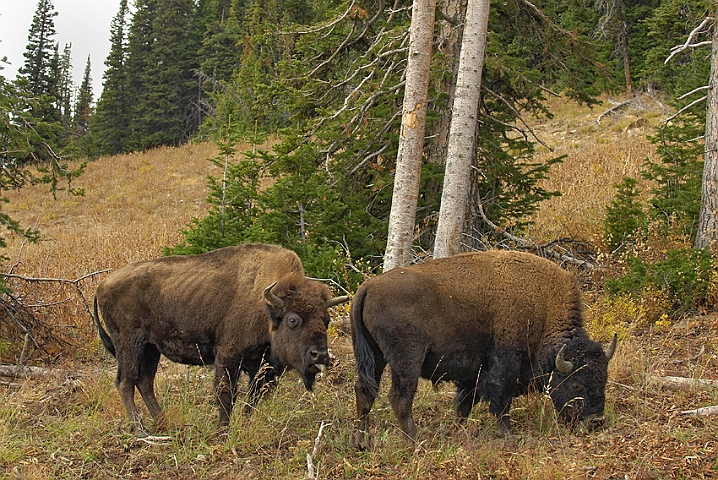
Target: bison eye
(575, 386)
(293, 320)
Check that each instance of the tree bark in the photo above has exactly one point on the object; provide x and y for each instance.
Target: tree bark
(462, 134)
(707, 234)
(624, 51)
(411, 140)
(448, 43)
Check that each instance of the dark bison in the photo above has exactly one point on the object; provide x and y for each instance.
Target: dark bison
(491, 322)
(246, 308)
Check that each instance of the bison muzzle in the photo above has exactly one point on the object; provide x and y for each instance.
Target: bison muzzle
(493, 323)
(247, 308)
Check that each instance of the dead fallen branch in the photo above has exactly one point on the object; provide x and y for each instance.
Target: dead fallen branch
(30, 309)
(683, 383)
(703, 411)
(613, 109)
(22, 371)
(154, 440)
(549, 250)
(76, 282)
(310, 456)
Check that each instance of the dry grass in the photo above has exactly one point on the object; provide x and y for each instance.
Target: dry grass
(599, 156)
(72, 424)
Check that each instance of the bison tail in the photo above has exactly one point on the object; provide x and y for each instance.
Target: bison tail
(363, 353)
(104, 337)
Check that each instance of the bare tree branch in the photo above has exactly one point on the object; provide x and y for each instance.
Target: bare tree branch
(687, 107)
(543, 250)
(696, 31)
(699, 89)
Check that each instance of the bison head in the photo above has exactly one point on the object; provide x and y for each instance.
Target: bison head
(299, 319)
(577, 384)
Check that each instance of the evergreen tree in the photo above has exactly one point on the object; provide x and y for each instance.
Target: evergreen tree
(677, 174)
(669, 26)
(83, 105)
(109, 127)
(41, 48)
(623, 23)
(42, 63)
(38, 80)
(162, 59)
(65, 86)
(221, 39)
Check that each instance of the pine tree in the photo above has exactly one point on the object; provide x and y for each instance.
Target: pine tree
(222, 38)
(162, 59)
(109, 126)
(41, 65)
(65, 86)
(83, 106)
(38, 79)
(669, 26)
(40, 50)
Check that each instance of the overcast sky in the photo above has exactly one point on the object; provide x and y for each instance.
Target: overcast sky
(84, 23)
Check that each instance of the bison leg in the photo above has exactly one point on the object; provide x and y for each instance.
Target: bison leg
(225, 388)
(126, 380)
(503, 375)
(365, 400)
(145, 383)
(401, 397)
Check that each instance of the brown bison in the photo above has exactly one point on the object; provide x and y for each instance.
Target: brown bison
(491, 322)
(246, 308)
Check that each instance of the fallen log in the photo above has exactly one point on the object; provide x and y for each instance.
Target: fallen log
(613, 109)
(22, 371)
(683, 383)
(703, 411)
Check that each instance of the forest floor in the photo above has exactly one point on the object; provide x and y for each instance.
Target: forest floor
(69, 422)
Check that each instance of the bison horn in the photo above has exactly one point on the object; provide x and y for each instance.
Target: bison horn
(336, 301)
(272, 298)
(611, 348)
(563, 365)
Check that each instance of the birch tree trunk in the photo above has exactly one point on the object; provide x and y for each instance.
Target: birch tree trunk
(411, 140)
(708, 218)
(462, 134)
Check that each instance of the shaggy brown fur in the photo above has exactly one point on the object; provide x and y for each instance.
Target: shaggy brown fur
(491, 322)
(210, 309)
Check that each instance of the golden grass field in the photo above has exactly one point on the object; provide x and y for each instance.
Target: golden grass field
(70, 423)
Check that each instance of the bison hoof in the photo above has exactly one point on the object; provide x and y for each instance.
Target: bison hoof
(360, 440)
(504, 425)
(595, 421)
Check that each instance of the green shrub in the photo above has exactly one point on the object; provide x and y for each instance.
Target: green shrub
(684, 274)
(625, 217)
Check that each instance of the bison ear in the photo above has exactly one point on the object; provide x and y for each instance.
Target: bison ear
(273, 316)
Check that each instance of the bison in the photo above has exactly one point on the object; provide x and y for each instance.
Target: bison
(245, 308)
(491, 322)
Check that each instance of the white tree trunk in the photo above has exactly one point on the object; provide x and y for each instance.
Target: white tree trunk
(462, 134)
(411, 140)
(708, 218)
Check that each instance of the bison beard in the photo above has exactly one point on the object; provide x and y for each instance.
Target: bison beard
(493, 323)
(246, 309)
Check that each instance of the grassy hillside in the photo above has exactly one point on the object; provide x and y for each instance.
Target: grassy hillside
(71, 424)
